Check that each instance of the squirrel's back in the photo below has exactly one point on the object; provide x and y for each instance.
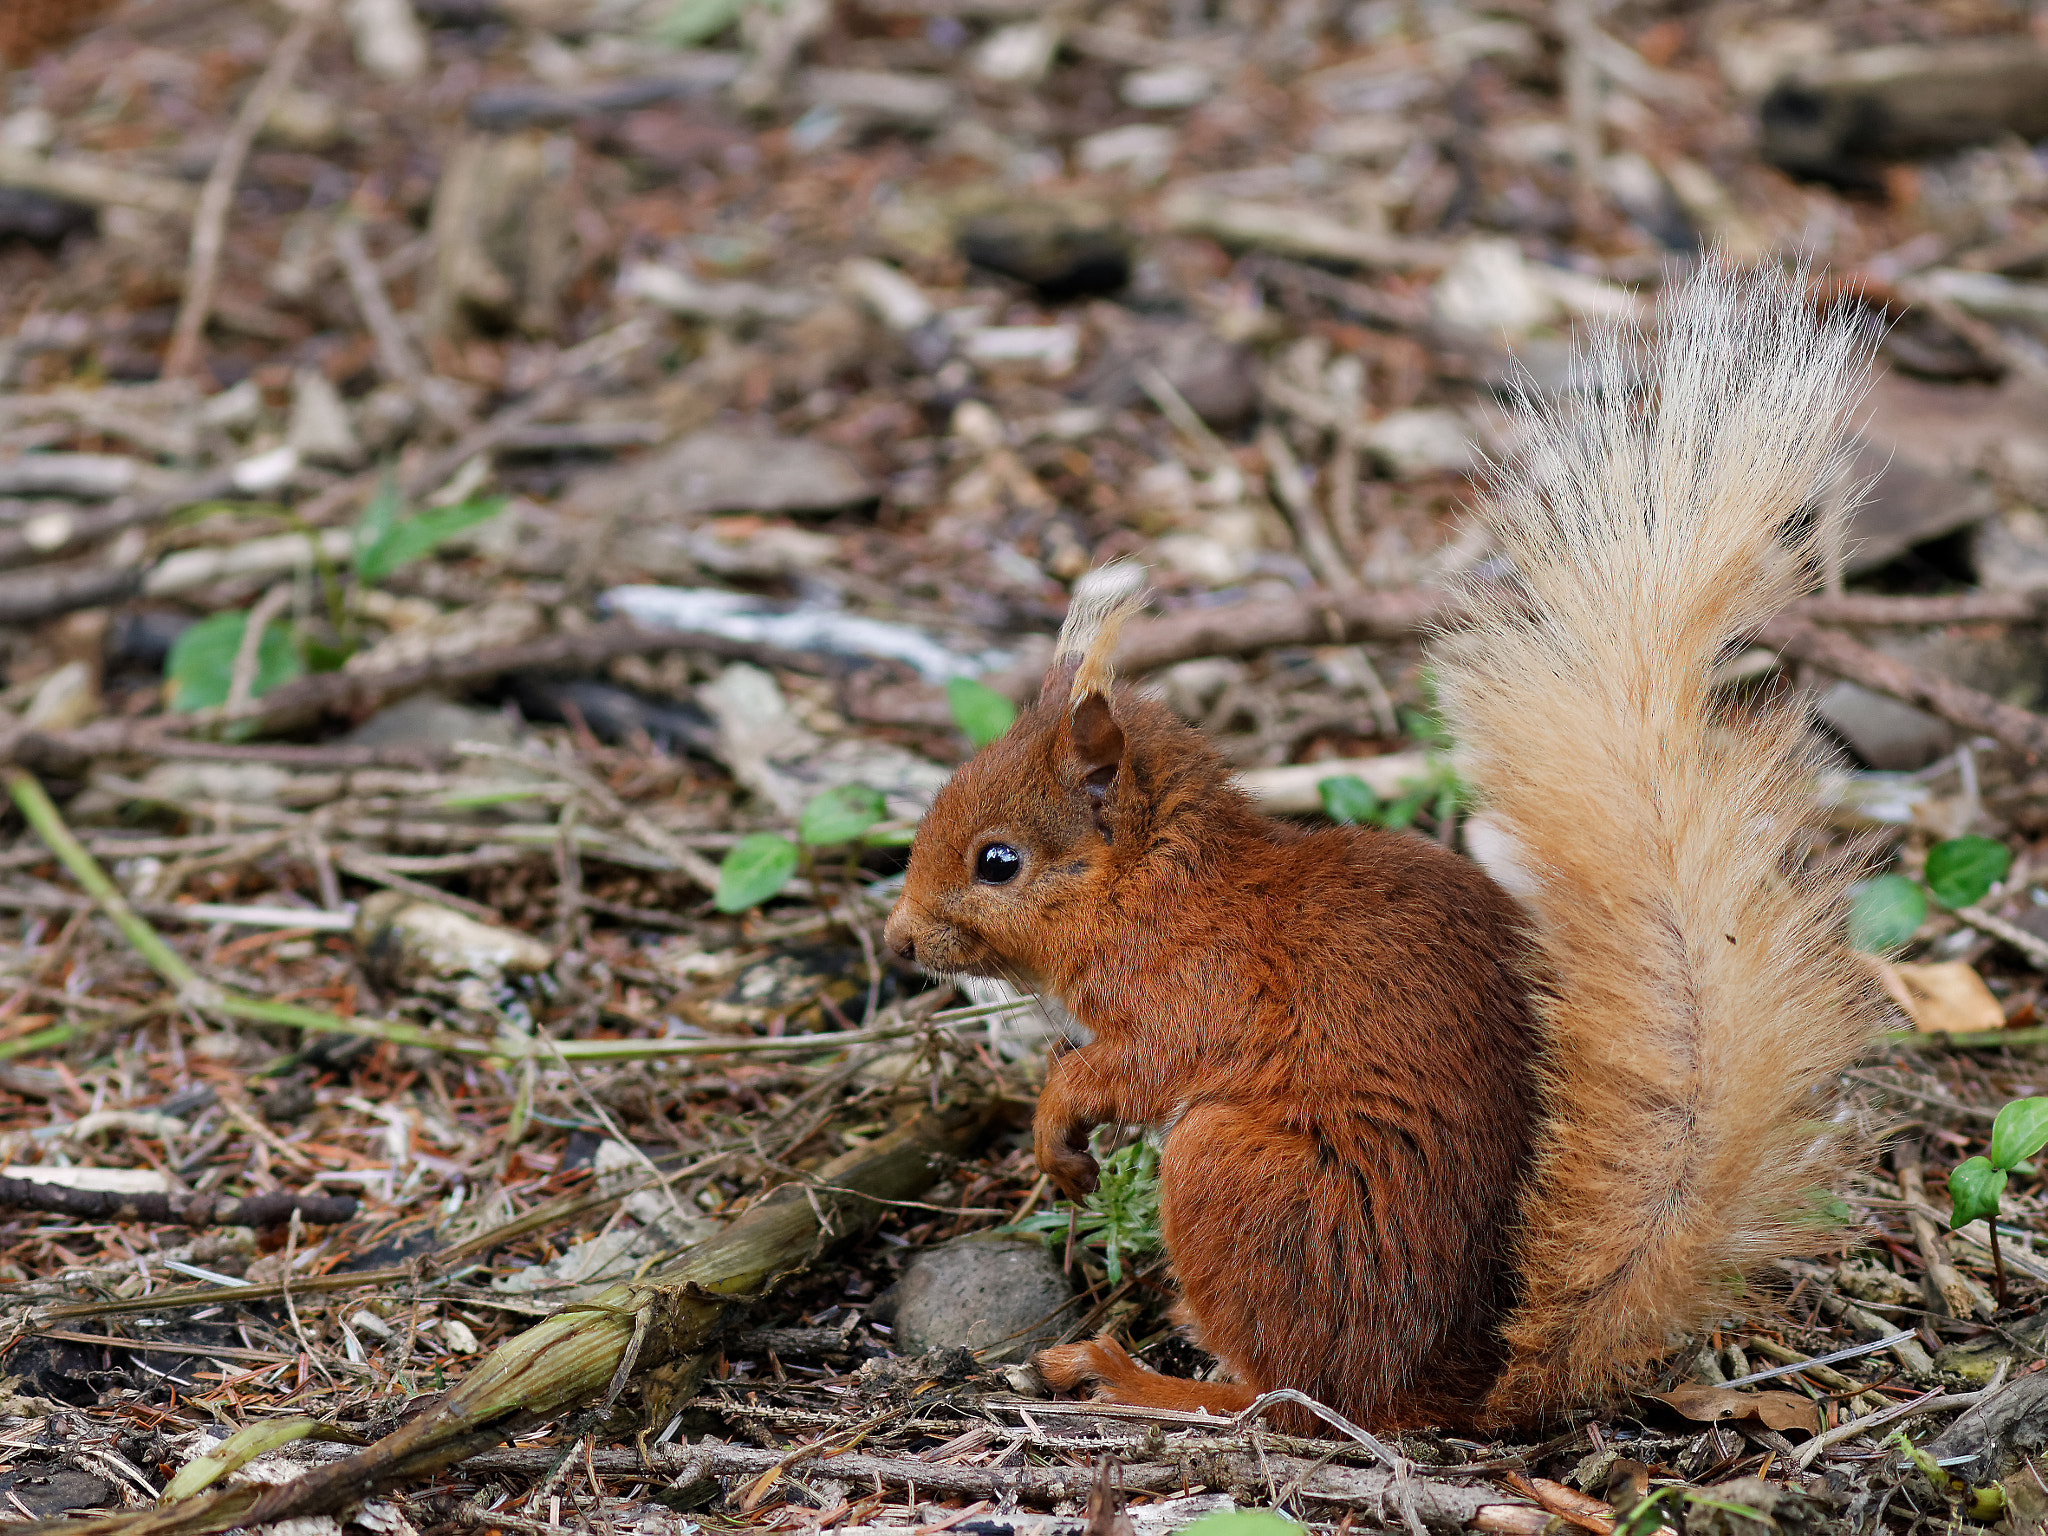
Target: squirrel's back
(1700, 994)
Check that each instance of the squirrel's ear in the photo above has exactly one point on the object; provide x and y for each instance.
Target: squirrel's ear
(1098, 743)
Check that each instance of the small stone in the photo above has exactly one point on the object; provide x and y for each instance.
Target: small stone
(1143, 150)
(401, 937)
(1167, 87)
(1217, 378)
(389, 40)
(1883, 732)
(2010, 551)
(1489, 290)
(430, 723)
(1907, 503)
(1412, 444)
(320, 428)
(722, 470)
(982, 1292)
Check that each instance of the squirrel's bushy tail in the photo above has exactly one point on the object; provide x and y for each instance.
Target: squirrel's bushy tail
(1701, 996)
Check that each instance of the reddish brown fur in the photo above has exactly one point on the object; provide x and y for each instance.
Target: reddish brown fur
(1335, 1022)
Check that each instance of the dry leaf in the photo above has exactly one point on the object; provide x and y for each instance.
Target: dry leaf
(1947, 998)
(1575, 1508)
(1782, 1411)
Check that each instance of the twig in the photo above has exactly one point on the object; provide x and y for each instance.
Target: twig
(216, 198)
(62, 531)
(93, 181)
(249, 649)
(359, 693)
(1944, 1286)
(1299, 503)
(1933, 1402)
(355, 862)
(394, 348)
(2030, 945)
(265, 1210)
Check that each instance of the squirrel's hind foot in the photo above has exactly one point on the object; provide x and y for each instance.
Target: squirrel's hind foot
(1120, 1379)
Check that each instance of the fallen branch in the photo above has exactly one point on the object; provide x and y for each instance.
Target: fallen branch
(266, 1210)
(1803, 640)
(354, 694)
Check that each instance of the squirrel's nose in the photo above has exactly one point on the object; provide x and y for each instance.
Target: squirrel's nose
(897, 936)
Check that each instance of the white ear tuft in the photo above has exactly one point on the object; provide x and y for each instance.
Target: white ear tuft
(1103, 599)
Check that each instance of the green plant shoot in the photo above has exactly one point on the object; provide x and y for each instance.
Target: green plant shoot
(1121, 1217)
(1975, 1184)
(1348, 800)
(387, 541)
(839, 815)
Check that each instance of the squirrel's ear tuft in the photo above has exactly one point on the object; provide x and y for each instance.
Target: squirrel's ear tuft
(1103, 599)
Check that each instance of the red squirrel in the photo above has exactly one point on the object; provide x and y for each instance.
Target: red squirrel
(1436, 1154)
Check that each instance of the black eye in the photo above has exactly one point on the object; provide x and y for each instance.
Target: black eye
(997, 864)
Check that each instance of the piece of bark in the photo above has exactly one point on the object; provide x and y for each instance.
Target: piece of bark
(2007, 1428)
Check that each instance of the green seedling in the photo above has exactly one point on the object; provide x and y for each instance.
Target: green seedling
(1884, 913)
(199, 671)
(1121, 1217)
(759, 865)
(1975, 1184)
(1350, 801)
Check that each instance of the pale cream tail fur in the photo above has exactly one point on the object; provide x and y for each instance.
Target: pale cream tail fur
(1701, 994)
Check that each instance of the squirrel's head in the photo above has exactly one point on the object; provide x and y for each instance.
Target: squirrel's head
(1016, 850)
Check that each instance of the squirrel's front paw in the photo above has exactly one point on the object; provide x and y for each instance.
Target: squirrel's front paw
(1075, 1174)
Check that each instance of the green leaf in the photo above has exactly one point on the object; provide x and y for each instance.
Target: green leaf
(1974, 1187)
(1961, 871)
(386, 542)
(839, 815)
(1885, 912)
(2020, 1131)
(753, 869)
(1348, 799)
(1243, 1522)
(201, 664)
(981, 713)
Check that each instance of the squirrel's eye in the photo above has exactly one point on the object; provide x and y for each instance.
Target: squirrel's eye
(997, 864)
